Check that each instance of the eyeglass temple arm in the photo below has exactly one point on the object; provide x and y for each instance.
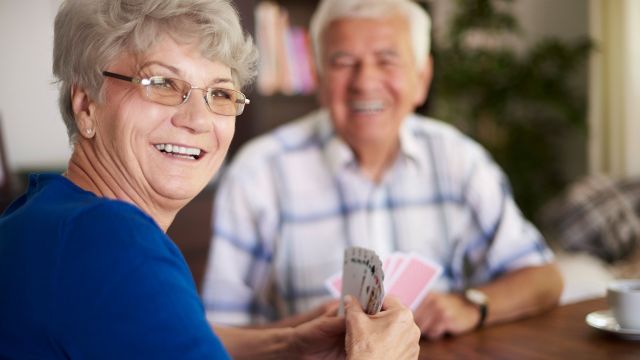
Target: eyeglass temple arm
(121, 77)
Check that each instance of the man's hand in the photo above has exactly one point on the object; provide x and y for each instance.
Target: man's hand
(440, 314)
(389, 334)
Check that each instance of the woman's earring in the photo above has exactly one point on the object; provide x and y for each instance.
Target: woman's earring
(89, 132)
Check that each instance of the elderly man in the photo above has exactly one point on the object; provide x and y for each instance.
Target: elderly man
(365, 170)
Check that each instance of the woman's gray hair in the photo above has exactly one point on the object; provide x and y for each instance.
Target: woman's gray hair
(90, 34)
(331, 10)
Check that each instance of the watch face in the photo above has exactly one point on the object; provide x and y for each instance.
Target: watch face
(476, 296)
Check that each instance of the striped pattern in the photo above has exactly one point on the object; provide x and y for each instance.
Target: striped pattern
(293, 199)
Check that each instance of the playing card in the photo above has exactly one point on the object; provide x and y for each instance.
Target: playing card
(406, 276)
(374, 287)
(362, 278)
(413, 279)
(334, 284)
(394, 262)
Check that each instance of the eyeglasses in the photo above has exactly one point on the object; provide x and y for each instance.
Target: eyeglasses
(168, 91)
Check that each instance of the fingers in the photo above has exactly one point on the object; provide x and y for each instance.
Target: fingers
(430, 317)
(390, 334)
(391, 302)
(351, 305)
(441, 314)
(331, 308)
(435, 331)
(425, 315)
(330, 325)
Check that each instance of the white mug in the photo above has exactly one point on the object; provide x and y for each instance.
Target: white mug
(623, 297)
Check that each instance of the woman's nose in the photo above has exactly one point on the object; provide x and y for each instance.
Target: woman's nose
(194, 113)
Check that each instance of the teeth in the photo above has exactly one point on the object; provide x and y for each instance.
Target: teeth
(368, 106)
(178, 150)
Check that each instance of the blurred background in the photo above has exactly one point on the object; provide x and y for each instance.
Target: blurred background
(551, 88)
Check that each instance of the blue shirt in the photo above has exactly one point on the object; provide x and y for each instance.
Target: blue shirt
(88, 277)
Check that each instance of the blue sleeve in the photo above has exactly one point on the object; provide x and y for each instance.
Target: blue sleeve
(124, 291)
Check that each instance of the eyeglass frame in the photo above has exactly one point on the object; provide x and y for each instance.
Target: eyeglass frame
(144, 82)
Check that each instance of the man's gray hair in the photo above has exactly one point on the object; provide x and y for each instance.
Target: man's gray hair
(331, 10)
(90, 34)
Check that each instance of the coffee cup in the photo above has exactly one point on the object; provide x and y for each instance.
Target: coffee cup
(623, 296)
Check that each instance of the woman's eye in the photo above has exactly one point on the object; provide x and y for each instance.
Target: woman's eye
(163, 83)
(221, 93)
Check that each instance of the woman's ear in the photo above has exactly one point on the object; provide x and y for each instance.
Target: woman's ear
(84, 111)
(425, 75)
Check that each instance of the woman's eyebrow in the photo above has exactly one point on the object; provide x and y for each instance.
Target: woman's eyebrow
(217, 81)
(178, 73)
(173, 69)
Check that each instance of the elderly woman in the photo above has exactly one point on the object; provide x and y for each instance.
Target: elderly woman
(149, 94)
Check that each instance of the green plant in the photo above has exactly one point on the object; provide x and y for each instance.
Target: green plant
(520, 105)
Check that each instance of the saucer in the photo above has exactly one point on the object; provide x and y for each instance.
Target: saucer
(604, 320)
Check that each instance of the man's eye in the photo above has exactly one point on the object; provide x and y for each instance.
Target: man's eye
(342, 61)
(387, 62)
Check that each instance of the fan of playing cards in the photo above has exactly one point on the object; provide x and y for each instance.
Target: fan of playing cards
(405, 276)
(362, 278)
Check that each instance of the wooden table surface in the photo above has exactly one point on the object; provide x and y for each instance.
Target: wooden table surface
(561, 333)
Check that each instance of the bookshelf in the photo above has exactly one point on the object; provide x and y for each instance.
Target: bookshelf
(269, 111)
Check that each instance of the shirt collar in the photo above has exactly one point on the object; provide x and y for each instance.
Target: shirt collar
(410, 146)
(339, 155)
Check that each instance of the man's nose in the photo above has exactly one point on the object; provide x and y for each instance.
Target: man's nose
(366, 76)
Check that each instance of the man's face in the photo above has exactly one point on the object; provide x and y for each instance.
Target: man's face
(370, 80)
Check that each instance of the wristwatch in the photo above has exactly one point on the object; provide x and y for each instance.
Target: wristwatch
(481, 301)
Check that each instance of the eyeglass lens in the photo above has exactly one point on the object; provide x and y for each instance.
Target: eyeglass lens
(168, 91)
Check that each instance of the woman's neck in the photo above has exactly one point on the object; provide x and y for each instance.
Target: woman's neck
(90, 176)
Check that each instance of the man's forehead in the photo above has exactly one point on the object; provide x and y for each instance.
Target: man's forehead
(364, 34)
(346, 29)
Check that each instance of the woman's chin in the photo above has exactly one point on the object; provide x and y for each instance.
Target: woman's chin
(181, 191)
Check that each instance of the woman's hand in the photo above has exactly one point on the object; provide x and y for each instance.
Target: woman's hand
(389, 334)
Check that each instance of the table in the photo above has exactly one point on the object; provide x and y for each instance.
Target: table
(558, 334)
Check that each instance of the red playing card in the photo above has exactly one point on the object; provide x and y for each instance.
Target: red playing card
(394, 263)
(334, 284)
(414, 278)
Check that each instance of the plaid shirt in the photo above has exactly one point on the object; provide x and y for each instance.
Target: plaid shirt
(292, 200)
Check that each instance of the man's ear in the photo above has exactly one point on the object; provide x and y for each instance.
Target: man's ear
(320, 97)
(83, 111)
(425, 76)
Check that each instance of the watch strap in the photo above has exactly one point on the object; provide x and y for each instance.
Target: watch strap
(478, 299)
(483, 308)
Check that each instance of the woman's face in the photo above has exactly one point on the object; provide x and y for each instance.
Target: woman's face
(132, 133)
